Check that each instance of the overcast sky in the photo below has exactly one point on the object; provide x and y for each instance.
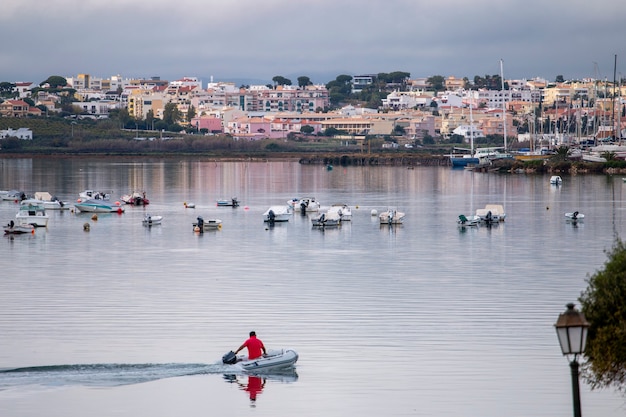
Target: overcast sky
(259, 39)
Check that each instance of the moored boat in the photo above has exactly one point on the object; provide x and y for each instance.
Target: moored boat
(32, 213)
(391, 216)
(150, 220)
(277, 214)
(556, 180)
(343, 210)
(328, 219)
(18, 229)
(203, 225)
(574, 216)
(492, 213)
(51, 202)
(93, 195)
(468, 220)
(135, 198)
(304, 205)
(98, 206)
(233, 202)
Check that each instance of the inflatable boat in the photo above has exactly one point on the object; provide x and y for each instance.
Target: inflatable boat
(274, 360)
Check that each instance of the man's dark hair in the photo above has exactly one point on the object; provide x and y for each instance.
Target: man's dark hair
(252, 333)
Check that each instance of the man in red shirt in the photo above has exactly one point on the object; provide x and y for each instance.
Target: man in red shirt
(254, 345)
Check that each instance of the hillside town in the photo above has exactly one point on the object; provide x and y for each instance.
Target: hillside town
(535, 112)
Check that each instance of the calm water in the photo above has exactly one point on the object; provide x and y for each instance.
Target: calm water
(422, 319)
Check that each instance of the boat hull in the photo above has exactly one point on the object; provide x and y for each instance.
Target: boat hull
(273, 361)
(98, 208)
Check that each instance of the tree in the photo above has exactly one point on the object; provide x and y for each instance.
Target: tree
(559, 79)
(171, 114)
(303, 81)
(191, 113)
(280, 80)
(6, 90)
(436, 82)
(604, 305)
(307, 129)
(55, 81)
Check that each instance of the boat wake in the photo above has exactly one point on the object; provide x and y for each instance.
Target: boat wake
(112, 375)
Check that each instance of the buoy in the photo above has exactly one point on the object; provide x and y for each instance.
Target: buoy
(374, 212)
(86, 227)
(94, 217)
(246, 208)
(357, 207)
(196, 229)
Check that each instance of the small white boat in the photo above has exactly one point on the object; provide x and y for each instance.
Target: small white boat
(343, 210)
(556, 180)
(32, 213)
(224, 202)
(574, 216)
(468, 220)
(50, 202)
(203, 225)
(328, 219)
(304, 205)
(391, 216)
(275, 360)
(492, 213)
(93, 195)
(18, 229)
(277, 214)
(189, 205)
(98, 206)
(150, 220)
(12, 195)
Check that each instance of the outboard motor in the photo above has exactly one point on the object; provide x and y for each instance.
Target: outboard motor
(200, 223)
(230, 358)
(271, 216)
(575, 215)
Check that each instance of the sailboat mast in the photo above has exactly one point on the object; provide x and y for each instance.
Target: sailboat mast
(503, 103)
(471, 126)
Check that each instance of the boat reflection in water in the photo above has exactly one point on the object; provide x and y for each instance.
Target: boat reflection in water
(254, 385)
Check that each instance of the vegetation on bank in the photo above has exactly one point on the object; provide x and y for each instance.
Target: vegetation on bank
(61, 136)
(604, 306)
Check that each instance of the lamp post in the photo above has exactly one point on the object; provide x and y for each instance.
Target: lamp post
(571, 329)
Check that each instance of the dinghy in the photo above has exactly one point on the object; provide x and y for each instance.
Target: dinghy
(273, 361)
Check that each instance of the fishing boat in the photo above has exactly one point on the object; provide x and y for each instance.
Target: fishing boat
(135, 198)
(150, 220)
(18, 229)
(492, 213)
(304, 205)
(556, 180)
(98, 206)
(391, 216)
(51, 202)
(93, 195)
(277, 214)
(342, 210)
(203, 225)
(233, 202)
(328, 219)
(274, 360)
(574, 216)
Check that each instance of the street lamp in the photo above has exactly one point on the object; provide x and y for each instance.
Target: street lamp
(571, 329)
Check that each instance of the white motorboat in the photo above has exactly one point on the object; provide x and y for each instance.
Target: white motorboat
(328, 219)
(304, 205)
(275, 360)
(93, 195)
(343, 210)
(98, 206)
(32, 213)
(391, 216)
(492, 213)
(150, 220)
(18, 229)
(468, 220)
(12, 195)
(574, 216)
(225, 202)
(203, 225)
(556, 180)
(277, 214)
(51, 202)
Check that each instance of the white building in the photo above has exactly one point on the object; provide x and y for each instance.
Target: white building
(21, 133)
